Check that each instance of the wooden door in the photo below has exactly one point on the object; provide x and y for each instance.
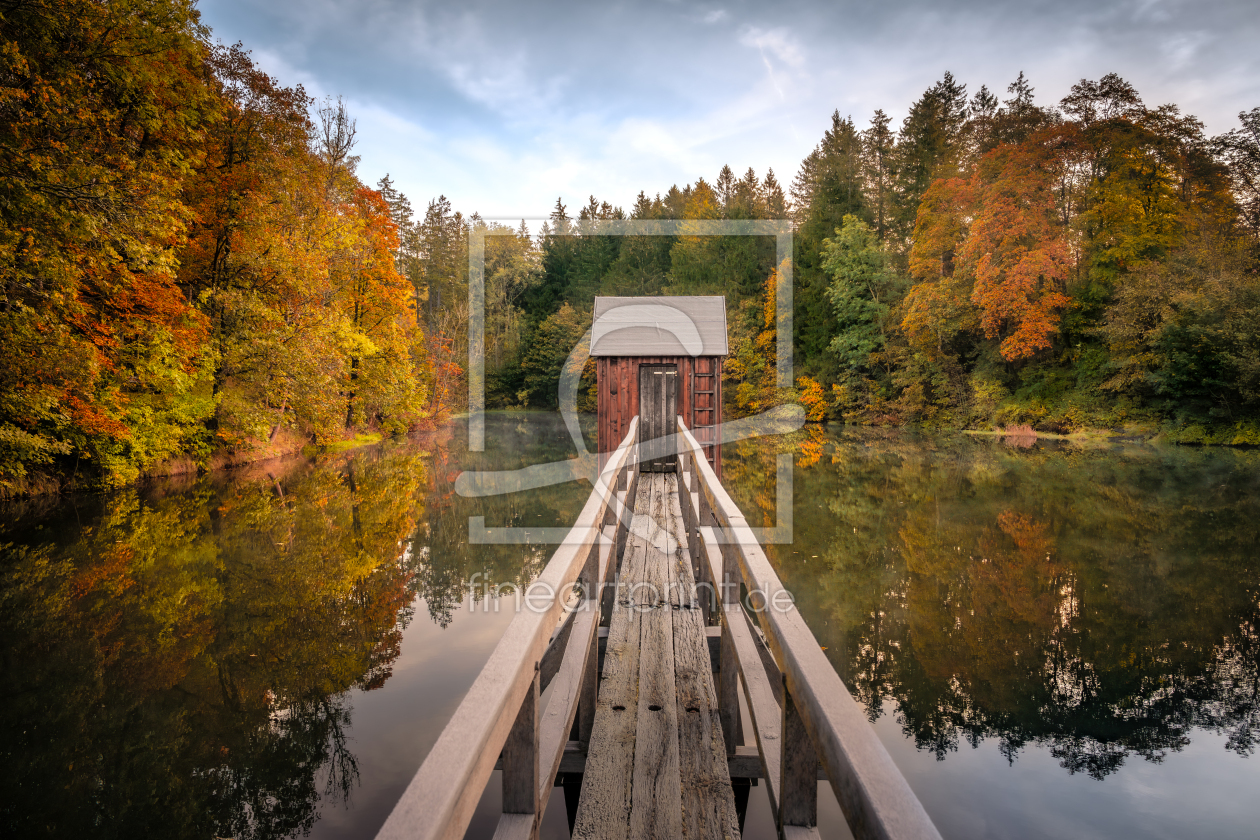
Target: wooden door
(658, 415)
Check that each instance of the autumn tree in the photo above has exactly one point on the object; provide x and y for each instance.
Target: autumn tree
(1015, 253)
(382, 384)
(101, 108)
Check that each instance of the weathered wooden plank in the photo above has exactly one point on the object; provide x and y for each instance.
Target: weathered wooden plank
(657, 806)
(514, 826)
(762, 706)
(712, 634)
(875, 797)
(797, 832)
(728, 667)
(745, 764)
(604, 809)
(562, 704)
(687, 512)
(682, 588)
(588, 694)
(554, 654)
(520, 757)
(728, 692)
(656, 809)
(607, 783)
(798, 785)
(708, 803)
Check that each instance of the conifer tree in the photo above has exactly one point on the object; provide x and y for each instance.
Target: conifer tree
(828, 187)
(877, 150)
(932, 144)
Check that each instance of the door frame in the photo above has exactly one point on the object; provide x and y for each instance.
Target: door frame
(648, 421)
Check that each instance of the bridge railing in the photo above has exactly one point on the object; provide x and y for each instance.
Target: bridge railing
(552, 640)
(802, 714)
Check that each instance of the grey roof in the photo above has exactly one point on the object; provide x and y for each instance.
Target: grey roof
(680, 325)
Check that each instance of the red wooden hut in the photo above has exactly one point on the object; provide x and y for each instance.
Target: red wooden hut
(660, 357)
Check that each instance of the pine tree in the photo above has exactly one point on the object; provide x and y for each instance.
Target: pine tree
(932, 144)
(443, 245)
(828, 187)
(877, 150)
(776, 201)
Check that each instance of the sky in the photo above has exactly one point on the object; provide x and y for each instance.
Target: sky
(504, 106)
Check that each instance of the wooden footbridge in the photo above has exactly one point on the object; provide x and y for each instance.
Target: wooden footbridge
(635, 635)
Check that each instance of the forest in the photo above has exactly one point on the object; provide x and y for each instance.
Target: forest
(194, 271)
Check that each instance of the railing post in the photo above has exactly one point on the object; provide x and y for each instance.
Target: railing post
(520, 756)
(702, 516)
(728, 688)
(587, 694)
(798, 774)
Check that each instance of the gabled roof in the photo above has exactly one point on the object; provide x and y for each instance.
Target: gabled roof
(681, 325)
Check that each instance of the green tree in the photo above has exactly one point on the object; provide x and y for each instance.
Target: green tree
(863, 285)
(932, 144)
(1240, 149)
(828, 187)
(549, 347)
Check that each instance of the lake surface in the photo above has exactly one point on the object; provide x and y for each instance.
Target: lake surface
(1052, 641)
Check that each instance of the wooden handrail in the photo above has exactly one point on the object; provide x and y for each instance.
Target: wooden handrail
(439, 802)
(877, 801)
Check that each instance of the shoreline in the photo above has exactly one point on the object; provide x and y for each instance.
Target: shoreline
(290, 445)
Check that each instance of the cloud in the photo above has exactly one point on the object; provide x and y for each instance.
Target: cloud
(501, 105)
(777, 42)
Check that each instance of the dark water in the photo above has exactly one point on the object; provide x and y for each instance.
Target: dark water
(1052, 641)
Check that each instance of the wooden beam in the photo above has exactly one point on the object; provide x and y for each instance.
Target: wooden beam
(745, 764)
(708, 803)
(656, 807)
(762, 705)
(440, 799)
(876, 799)
(798, 779)
(604, 808)
(562, 704)
(520, 757)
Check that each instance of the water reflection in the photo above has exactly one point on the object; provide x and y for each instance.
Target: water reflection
(184, 660)
(176, 660)
(1099, 603)
(181, 660)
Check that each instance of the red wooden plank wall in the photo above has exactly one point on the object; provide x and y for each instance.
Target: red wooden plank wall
(617, 410)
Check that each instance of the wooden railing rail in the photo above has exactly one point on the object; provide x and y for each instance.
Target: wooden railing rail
(501, 715)
(809, 717)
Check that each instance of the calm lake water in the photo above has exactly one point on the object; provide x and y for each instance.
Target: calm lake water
(1052, 641)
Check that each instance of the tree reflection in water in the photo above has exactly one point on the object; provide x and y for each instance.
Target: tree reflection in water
(1098, 602)
(177, 660)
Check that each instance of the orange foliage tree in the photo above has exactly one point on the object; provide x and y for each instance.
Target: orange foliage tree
(991, 242)
(1016, 252)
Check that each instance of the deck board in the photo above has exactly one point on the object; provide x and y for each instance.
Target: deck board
(658, 768)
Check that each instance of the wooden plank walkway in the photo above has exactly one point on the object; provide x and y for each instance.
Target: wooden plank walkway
(651, 752)
(656, 766)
